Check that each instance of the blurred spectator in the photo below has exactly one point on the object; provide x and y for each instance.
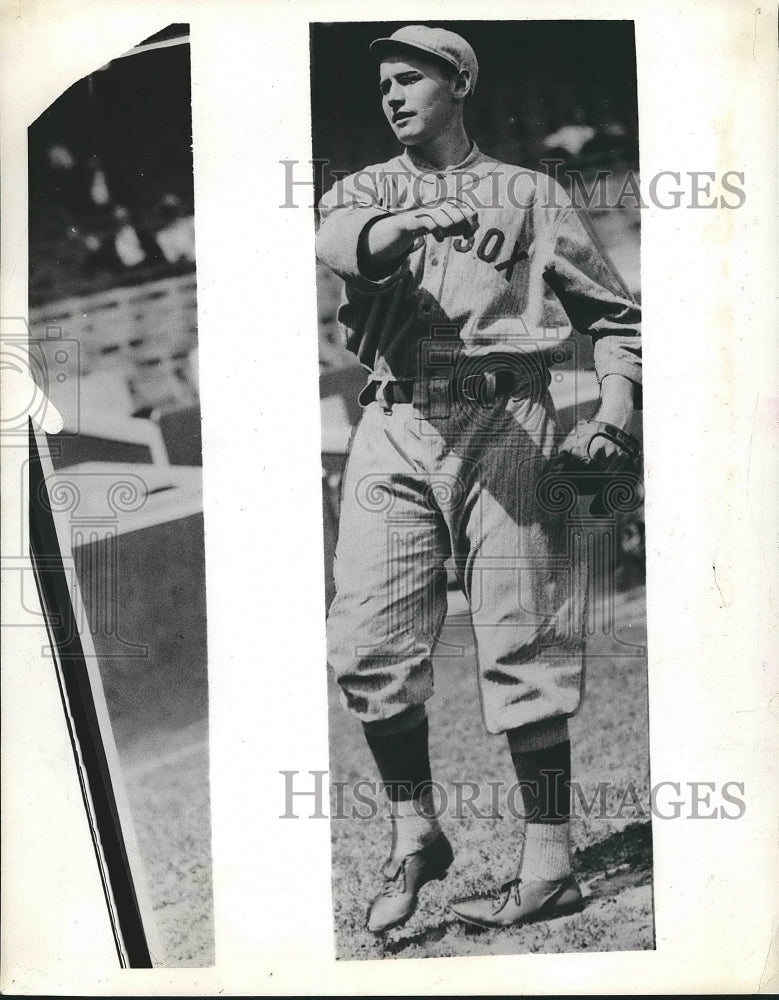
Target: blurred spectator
(59, 157)
(571, 137)
(176, 238)
(126, 242)
(99, 194)
(98, 257)
(60, 182)
(91, 243)
(611, 140)
(115, 249)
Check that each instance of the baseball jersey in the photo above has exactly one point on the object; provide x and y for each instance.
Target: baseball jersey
(499, 290)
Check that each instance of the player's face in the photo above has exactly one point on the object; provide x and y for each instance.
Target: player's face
(417, 98)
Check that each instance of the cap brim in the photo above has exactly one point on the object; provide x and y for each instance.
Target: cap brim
(380, 46)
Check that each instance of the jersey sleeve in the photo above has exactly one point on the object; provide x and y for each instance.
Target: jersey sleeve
(344, 212)
(593, 295)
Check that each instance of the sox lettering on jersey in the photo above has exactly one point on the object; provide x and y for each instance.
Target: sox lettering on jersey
(489, 248)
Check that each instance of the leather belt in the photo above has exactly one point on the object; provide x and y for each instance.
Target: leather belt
(479, 388)
(390, 393)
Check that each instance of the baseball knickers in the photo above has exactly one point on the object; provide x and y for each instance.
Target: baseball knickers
(423, 483)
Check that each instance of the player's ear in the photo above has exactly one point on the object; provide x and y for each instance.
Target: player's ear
(461, 85)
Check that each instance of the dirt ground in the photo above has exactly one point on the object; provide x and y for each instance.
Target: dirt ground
(612, 856)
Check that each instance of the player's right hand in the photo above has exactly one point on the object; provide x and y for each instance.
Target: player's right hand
(449, 217)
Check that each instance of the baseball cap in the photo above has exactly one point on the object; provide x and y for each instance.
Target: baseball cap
(439, 42)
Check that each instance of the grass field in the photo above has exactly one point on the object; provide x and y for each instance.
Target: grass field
(613, 856)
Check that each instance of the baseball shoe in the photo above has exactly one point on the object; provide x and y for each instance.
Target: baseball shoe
(403, 878)
(510, 907)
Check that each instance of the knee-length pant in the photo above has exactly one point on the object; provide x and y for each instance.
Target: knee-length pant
(419, 488)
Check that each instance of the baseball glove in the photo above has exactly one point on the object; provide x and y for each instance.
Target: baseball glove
(613, 480)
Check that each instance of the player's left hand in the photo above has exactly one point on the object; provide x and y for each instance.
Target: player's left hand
(596, 457)
(446, 217)
(600, 448)
(593, 449)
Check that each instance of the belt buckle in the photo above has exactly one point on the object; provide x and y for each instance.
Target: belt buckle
(384, 393)
(471, 394)
(480, 388)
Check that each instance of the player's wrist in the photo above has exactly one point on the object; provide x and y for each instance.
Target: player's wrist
(381, 247)
(407, 226)
(620, 417)
(616, 400)
(392, 234)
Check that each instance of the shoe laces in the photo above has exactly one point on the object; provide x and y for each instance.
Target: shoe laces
(502, 894)
(395, 885)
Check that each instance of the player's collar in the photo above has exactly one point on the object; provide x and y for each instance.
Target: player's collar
(417, 165)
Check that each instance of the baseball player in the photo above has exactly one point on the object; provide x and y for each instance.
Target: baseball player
(456, 267)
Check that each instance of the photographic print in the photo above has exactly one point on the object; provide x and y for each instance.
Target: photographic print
(375, 587)
(480, 352)
(113, 342)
